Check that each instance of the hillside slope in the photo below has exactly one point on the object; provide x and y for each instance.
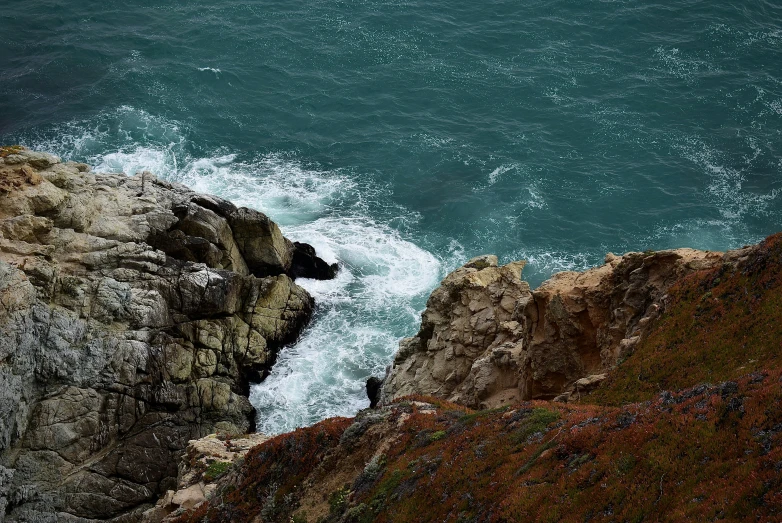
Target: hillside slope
(687, 427)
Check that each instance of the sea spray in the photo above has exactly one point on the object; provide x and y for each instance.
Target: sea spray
(376, 298)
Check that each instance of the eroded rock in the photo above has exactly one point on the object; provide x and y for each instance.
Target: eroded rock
(206, 460)
(134, 313)
(487, 340)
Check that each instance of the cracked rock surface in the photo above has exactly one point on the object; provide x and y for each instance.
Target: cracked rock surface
(487, 340)
(133, 315)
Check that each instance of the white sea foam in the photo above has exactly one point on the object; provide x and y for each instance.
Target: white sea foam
(361, 316)
(499, 171)
(125, 139)
(726, 184)
(376, 298)
(283, 188)
(158, 161)
(210, 69)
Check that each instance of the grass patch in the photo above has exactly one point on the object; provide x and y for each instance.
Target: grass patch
(438, 435)
(536, 421)
(216, 469)
(8, 150)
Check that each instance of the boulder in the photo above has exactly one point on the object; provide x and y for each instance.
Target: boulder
(306, 264)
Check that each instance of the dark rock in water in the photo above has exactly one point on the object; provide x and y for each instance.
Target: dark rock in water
(306, 264)
(134, 313)
(374, 385)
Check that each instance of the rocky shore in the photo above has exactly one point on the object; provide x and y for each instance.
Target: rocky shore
(658, 379)
(487, 340)
(134, 313)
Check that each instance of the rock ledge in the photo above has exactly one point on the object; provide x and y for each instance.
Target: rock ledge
(487, 340)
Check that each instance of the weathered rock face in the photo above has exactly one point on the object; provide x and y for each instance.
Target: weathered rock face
(487, 340)
(132, 314)
(205, 461)
(471, 342)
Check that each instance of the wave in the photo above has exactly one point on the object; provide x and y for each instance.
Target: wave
(375, 300)
(360, 316)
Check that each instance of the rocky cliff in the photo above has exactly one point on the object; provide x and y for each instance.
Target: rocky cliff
(133, 315)
(487, 340)
(686, 427)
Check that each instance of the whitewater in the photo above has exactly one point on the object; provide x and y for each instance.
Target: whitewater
(401, 139)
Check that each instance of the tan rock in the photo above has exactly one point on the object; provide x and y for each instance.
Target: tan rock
(189, 497)
(130, 323)
(195, 484)
(487, 340)
(469, 347)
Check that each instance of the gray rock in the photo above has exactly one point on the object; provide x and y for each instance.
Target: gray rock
(133, 314)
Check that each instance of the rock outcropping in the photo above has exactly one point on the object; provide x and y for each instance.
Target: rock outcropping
(687, 427)
(205, 461)
(133, 315)
(487, 340)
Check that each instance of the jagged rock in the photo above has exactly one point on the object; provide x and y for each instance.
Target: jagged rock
(470, 345)
(205, 461)
(487, 340)
(306, 264)
(133, 312)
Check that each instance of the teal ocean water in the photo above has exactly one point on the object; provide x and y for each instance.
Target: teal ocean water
(402, 138)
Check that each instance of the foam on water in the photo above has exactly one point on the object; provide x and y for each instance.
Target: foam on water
(360, 316)
(726, 186)
(125, 139)
(376, 298)
(275, 184)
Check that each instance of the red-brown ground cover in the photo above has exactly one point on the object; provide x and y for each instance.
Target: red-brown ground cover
(689, 428)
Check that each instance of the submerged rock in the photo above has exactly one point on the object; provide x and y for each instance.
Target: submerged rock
(133, 314)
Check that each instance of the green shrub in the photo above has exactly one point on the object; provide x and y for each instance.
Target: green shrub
(216, 469)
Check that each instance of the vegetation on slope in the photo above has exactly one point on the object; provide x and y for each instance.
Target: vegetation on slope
(689, 428)
(718, 325)
(272, 472)
(704, 454)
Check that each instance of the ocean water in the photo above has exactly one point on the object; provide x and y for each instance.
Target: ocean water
(402, 138)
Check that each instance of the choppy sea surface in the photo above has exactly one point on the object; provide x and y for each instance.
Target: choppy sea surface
(401, 138)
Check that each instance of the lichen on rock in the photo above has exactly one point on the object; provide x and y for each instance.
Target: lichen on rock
(134, 312)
